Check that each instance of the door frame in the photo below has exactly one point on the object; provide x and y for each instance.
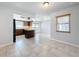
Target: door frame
(14, 31)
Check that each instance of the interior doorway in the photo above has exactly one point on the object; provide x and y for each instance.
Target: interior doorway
(20, 26)
(18, 23)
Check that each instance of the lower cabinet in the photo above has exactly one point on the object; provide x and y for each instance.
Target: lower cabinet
(19, 32)
(29, 33)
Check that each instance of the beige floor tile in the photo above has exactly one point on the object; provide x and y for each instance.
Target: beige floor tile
(38, 47)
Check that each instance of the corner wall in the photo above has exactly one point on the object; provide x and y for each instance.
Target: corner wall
(72, 37)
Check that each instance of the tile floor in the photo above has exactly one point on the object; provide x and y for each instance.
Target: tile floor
(38, 47)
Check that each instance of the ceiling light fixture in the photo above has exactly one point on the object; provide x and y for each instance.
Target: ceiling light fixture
(45, 4)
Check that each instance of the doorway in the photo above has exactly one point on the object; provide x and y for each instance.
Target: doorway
(18, 30)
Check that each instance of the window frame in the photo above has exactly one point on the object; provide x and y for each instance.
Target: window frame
(63, 23)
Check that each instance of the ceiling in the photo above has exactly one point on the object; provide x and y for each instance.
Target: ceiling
(36, 8)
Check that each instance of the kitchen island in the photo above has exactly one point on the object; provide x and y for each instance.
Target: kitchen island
(29, 33)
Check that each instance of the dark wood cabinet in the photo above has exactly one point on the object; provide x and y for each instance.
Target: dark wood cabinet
(19, 32)
(29, 33)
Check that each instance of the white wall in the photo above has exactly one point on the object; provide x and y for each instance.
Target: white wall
(78, 23)
(46, 26)
(6, 24)
(72, 37)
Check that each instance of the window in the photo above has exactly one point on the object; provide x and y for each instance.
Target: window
(36, 26)
(63, 23)
(19, 24)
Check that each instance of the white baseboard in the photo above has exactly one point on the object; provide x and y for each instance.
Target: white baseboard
(68, 43)
(4, 45)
